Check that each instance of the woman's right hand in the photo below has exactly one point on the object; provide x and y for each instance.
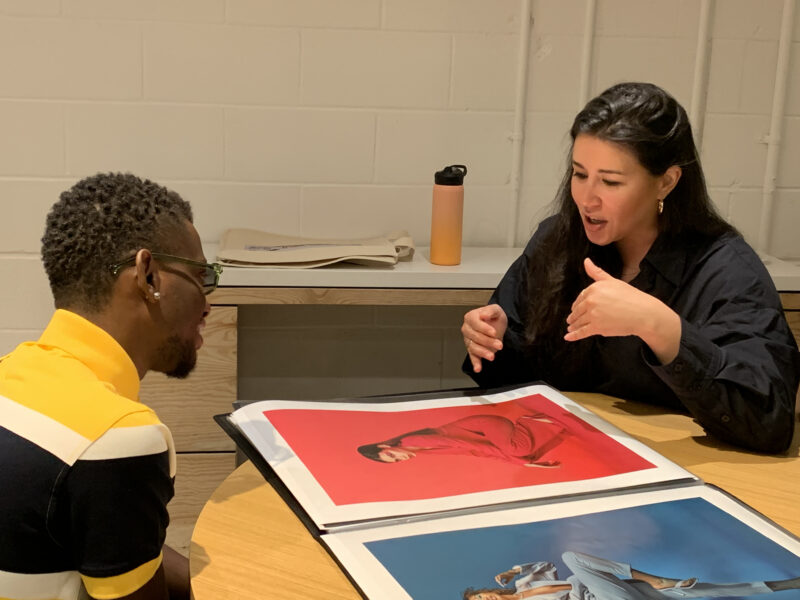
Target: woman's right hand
(483, 332)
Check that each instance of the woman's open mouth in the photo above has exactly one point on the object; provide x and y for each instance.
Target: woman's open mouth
(593, 224)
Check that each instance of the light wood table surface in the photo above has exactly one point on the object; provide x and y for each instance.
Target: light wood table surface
(248, 544)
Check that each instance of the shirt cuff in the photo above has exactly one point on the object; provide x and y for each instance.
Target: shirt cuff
(696, 365)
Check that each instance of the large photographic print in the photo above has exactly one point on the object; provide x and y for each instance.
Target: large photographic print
(690, 542)
(348, 462)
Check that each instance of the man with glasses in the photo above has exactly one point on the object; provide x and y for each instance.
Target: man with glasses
(86, 470)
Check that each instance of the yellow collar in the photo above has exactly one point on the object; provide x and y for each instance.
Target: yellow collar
(95, 348)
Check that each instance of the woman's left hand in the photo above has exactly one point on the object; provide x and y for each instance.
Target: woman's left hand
(506, 576)
(610, 307)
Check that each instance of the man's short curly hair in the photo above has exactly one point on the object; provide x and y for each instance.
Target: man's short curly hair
(102, 220)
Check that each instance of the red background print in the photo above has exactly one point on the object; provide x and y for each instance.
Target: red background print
(326, 442)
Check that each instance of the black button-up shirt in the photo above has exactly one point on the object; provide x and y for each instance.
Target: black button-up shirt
(737, 369)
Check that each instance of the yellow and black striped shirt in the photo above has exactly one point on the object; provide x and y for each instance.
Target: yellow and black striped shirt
(86, 470)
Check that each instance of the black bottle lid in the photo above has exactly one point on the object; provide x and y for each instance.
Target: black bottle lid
(452, 175)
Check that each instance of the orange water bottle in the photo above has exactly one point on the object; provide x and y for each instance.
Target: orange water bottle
(447, 216)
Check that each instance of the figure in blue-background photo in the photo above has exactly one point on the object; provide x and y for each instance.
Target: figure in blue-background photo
(637, 288)
(595, 578)
(689, 543)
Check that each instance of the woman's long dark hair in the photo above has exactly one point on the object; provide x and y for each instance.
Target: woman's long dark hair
(648, 122)
(372, 451)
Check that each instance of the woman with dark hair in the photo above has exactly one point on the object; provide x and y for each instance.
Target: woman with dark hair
(523, 442)
(637, 288)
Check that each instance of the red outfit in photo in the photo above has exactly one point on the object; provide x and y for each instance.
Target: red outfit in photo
(524, 441)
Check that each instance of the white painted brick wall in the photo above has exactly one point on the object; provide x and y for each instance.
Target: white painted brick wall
(348, 14)
(25, 294)
(559, 17)
(484, 73)
(648, 18)
(375, 69)
(299, 145)
(328, 118)
(62, 58)
(366, 211)
(554, 73)
(744, 166)
(668, 62)
(30, 8)
(160, 10)
(744, 210)
(158, 141)
(787, 212)
(793, 91)
(497, 16)
(32, 140)
(789, 166)
(24, 204)
(747, 19)
(218, 206)
(547, 149)
(535, 203)
(411, 146)
(221, 64)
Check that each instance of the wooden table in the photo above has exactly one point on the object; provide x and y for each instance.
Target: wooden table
(248, 544)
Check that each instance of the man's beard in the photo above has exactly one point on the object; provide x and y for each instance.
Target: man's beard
(177, 357)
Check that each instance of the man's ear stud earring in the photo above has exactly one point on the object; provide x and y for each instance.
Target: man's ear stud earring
(157, 295)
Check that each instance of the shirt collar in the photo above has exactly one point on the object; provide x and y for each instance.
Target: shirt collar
(95, 348)
(668, 256)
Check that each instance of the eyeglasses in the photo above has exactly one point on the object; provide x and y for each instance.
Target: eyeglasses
(211, 271)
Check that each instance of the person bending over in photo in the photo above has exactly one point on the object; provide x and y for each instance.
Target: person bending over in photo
(523, 442)
(637, 288)
(596, 578)
(86, 470)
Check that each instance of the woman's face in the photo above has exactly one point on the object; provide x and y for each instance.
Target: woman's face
(616, 196)
(391, 454)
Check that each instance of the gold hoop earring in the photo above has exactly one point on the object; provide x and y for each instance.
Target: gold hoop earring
(660, 206)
